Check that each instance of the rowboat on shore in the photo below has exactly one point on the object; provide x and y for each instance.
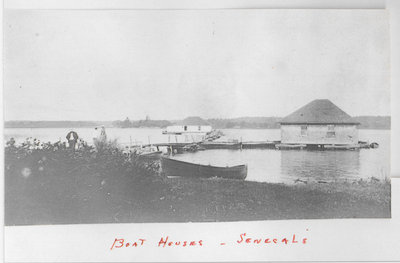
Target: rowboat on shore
(172, 167)
(151, 155)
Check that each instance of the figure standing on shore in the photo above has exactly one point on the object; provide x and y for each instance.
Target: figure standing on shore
(72, 138)
(96, 135)
(103, 135)
(99, 134)
(99, 138)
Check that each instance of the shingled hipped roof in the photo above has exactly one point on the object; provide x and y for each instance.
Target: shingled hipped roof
(319, 112)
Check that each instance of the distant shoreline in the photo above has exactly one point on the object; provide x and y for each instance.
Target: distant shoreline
(366, 122)
(244, 128)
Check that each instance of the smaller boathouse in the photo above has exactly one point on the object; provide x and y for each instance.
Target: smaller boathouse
(191, 129)
(319, 123)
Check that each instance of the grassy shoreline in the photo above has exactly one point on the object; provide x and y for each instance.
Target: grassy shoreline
(63, 187)
(192, 200)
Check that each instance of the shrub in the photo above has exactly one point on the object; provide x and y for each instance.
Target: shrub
(105, 158)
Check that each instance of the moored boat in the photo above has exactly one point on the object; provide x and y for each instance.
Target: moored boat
(194, 147)
(374, 145)
(149, 152)
(364, 145)
(172, 167)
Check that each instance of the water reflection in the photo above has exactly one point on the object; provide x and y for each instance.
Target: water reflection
(320, 165)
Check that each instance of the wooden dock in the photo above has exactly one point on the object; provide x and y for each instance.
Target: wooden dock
(219, 145)
(260, 145)
(180, 147)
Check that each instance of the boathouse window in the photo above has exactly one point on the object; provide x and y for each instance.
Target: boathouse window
(199, 128)
(303, 130)
(331, 131)
(185, 128)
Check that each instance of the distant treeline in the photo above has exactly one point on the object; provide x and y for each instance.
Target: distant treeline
(366, 122)
(246, 123)
(374, 122)
(54, 124)
(141, 123)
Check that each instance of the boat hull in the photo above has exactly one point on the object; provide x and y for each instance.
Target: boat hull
(151, 155)
(172, 167)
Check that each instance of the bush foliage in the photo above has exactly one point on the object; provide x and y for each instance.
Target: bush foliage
(105, 157)
(51, 183)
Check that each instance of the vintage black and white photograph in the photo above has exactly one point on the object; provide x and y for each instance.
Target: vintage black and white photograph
(144, 116)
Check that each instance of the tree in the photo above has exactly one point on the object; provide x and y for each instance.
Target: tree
(126, 123)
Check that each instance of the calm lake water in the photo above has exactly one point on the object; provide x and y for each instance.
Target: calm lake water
(263, 165)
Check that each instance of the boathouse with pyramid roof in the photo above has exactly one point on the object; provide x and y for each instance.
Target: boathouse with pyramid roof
(320, 122)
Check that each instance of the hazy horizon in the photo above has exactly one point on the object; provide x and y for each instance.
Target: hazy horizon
(107, 65)
(121, 119)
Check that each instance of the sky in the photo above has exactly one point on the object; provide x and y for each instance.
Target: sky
(109, 65)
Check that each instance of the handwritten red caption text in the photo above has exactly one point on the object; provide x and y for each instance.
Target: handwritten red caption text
(164, 242)
(242, 240)
(118, 243)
